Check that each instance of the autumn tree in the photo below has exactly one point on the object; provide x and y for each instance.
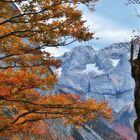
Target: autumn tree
(25, 69)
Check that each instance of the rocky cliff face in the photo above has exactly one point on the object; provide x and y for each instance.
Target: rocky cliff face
(103, 75)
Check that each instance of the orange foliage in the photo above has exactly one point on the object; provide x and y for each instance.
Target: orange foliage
(25, 68)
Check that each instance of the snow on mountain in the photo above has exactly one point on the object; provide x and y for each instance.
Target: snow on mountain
(59, 72)
(115, 62)
(92, 67)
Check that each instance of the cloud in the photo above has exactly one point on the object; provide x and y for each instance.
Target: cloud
(57, 51)
(113, 36)
(108, 31)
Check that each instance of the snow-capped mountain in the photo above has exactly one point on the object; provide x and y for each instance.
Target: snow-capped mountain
(103, 75)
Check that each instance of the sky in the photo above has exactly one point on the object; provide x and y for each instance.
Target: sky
(112, 22)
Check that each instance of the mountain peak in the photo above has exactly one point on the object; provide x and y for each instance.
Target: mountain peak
(83, 69)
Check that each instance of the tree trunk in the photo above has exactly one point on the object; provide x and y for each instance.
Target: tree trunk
(135, 72)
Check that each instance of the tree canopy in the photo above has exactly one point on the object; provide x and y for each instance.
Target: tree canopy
(25, 68)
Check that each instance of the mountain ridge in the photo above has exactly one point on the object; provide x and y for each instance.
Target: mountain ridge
(102, 75)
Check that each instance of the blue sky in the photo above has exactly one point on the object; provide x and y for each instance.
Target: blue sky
(112, 21)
